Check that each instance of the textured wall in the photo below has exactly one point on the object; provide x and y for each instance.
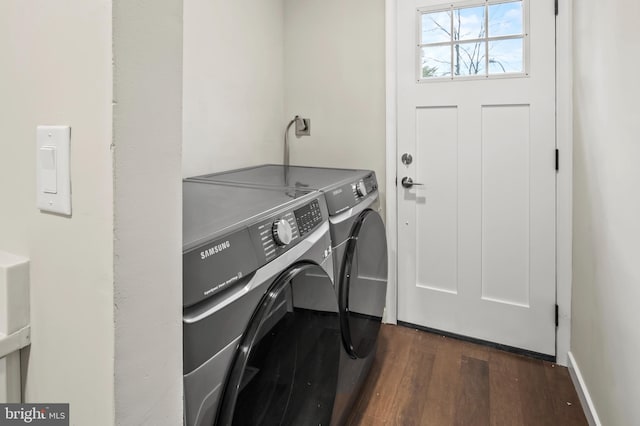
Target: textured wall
(147, 128)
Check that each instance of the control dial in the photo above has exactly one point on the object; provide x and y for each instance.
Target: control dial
(282, 232)
(361, 189)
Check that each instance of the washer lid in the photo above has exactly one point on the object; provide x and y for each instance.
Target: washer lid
(210, 210)
(343, 188)
(277, 175)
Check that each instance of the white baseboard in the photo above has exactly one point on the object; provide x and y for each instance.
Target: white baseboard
(583, 393)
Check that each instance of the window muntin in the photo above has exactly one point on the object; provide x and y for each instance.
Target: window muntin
(484, 40)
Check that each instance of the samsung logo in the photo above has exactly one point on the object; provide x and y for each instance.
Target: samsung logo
(337, 191)
(214, 250)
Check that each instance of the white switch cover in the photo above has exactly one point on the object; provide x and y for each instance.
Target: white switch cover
(52, 169)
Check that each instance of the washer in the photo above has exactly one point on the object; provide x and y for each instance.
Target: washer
(261, 340)
(359, 253)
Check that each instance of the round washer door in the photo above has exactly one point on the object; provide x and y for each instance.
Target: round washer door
(363, 284)
(285, 370)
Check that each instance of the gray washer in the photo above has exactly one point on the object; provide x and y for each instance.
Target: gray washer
(359, 254)
(247, 294)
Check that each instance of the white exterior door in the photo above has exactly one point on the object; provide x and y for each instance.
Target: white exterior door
(476, 112)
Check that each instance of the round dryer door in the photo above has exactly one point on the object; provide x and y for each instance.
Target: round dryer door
(363, 285)
(285, 370)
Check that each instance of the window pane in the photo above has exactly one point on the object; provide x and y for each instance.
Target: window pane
(505, 19)
(505, 56)
(468, 23)
(436, 61)
(436, 27)
(469, 58)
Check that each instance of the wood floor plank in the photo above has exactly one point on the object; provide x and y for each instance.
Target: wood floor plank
(537, 407)
(381, 398)
(409, 400)
(440, 403)
(371, 421)
(472, 406)
(421, 378)
(566, 404)
(504, 389)
(473, 350)
(427, 342)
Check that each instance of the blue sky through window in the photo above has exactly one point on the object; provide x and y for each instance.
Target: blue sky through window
(442, 55)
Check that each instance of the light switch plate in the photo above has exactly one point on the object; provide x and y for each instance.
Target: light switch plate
(52, 169)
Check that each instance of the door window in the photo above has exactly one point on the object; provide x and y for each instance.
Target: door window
(485, 40)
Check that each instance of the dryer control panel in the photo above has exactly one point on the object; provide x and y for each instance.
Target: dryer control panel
(350, 194)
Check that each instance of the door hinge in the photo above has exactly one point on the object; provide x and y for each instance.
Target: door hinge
(556, 6)
(557, 315)
(557, 160)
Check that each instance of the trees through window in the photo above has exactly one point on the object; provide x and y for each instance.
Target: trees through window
(483, 40)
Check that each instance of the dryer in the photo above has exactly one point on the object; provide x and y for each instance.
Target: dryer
(359, 250)
(261, 341)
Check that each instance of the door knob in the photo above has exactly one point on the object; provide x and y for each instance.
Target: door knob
(407, 182)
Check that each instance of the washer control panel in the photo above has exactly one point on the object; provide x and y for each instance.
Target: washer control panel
(282, 232)
(308, 217)
(277, 234)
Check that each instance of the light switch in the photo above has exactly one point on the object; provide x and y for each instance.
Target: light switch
(49, 179)
(52, 169)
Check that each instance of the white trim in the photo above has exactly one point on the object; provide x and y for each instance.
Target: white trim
(391, 312)
(564, 135)
(14, 341)
(583, 393)
(564, 188)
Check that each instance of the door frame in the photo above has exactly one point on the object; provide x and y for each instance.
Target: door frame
(564, 176)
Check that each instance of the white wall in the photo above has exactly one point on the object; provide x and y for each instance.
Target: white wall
(605, 340)
(56, 69)
(334, 74)
(233, 84)
(147, 126)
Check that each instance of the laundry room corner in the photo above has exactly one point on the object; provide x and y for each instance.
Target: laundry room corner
(235, 115)
(334, 73)
(232, 84)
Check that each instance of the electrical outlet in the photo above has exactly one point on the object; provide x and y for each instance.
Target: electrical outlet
(303, 127)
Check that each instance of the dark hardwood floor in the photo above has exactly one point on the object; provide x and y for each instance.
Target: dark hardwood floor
(420, 378)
